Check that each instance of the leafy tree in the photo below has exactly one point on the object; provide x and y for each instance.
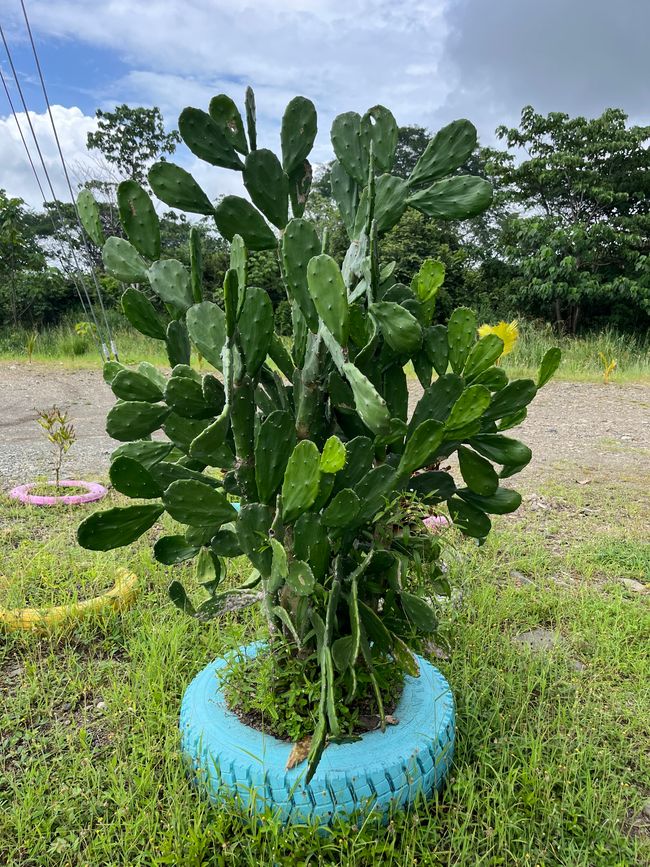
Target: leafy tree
(411, 142)
(19, 253)
(131, 139)
(580, 233)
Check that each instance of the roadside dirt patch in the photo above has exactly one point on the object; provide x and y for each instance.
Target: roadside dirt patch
(591, 427)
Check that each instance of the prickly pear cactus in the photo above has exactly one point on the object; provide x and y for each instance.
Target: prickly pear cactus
(312, 439)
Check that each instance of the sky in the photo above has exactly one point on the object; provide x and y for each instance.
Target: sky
(429, 61)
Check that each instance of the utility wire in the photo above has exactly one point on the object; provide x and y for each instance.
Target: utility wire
(43, 196)
(67, 177)
(102, 349)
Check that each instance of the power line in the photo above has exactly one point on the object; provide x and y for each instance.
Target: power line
(67, 177)
(40, 187)
(102, 349)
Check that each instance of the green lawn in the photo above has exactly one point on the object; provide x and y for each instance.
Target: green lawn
(552, 747)
(580, 356)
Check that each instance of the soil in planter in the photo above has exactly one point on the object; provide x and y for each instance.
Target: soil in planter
(278, 693)
(45, 489)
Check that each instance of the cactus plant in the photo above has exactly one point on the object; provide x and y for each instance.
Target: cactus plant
(315, 442)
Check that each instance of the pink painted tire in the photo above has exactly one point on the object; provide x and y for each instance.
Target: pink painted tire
(95, 492)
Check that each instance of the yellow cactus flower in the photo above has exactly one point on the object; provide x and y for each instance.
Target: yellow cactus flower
(507, 331)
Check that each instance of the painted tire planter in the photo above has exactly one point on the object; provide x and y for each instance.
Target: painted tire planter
(95, 492)
(381, 772)
(119, 597)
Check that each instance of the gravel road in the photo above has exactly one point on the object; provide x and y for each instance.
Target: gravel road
(572, 427)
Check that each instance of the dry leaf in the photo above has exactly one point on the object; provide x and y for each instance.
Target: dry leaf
(391, 720)
(299, 753)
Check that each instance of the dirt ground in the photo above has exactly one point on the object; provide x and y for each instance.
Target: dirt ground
(573, 428)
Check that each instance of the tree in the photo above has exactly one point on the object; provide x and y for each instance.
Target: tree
(411, 142)
(19, 252)
(580, 234)
(131, 139)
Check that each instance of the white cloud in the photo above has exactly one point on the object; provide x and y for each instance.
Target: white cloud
(16, 176)
(343, 54)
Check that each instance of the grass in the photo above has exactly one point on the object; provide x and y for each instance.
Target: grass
(551, 759)
(580, 355)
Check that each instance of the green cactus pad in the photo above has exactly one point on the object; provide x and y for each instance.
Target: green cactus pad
(133, 480)
(469, 407)
(251, 123)
(447, 151)
(189, 501)
(360, 454)
(196, 265)
(334, 456)
(209, 446)
(370, 405)
(299, 127)
(502, 502)
(206, 139)
(115, 528)
(252, 528)
(299, 186)
(378, 126)
(479, 474)
(461, 335)
(342, 510)
(225, 114)
(456, 198)
(426, 284)
(350, 148)
(181, 431)
(255, 327)
(185, 397)
(437, 400)
(225, 543)
(123, 261)
(469, 520)
(300, 243)
(300, 578)
(132, 385)
(132, 420)
(329, 295)
(178, 189)
(310, 543)
(549, 365)
(145, 452)
(346, 195)
(373, 491)
(515, 396)
(500, 449)
(421, 446)
(275, 442)
(436, 346)
(206, 324)
(482, 356)
(142, 314)
(301, 480)
(267, 185)
(139, 219)
(172, 550)
(433, 486)
(90, 217)
(170, 280)
(239, 263)
(236, 216)
(400, 329)
(494, 378)
(177, 343)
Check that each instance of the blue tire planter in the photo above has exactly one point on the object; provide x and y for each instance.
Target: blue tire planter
(381, 772)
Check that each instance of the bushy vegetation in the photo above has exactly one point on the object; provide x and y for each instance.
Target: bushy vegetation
(566, 242)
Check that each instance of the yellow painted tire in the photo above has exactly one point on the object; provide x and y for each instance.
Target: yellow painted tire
(120, 596)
